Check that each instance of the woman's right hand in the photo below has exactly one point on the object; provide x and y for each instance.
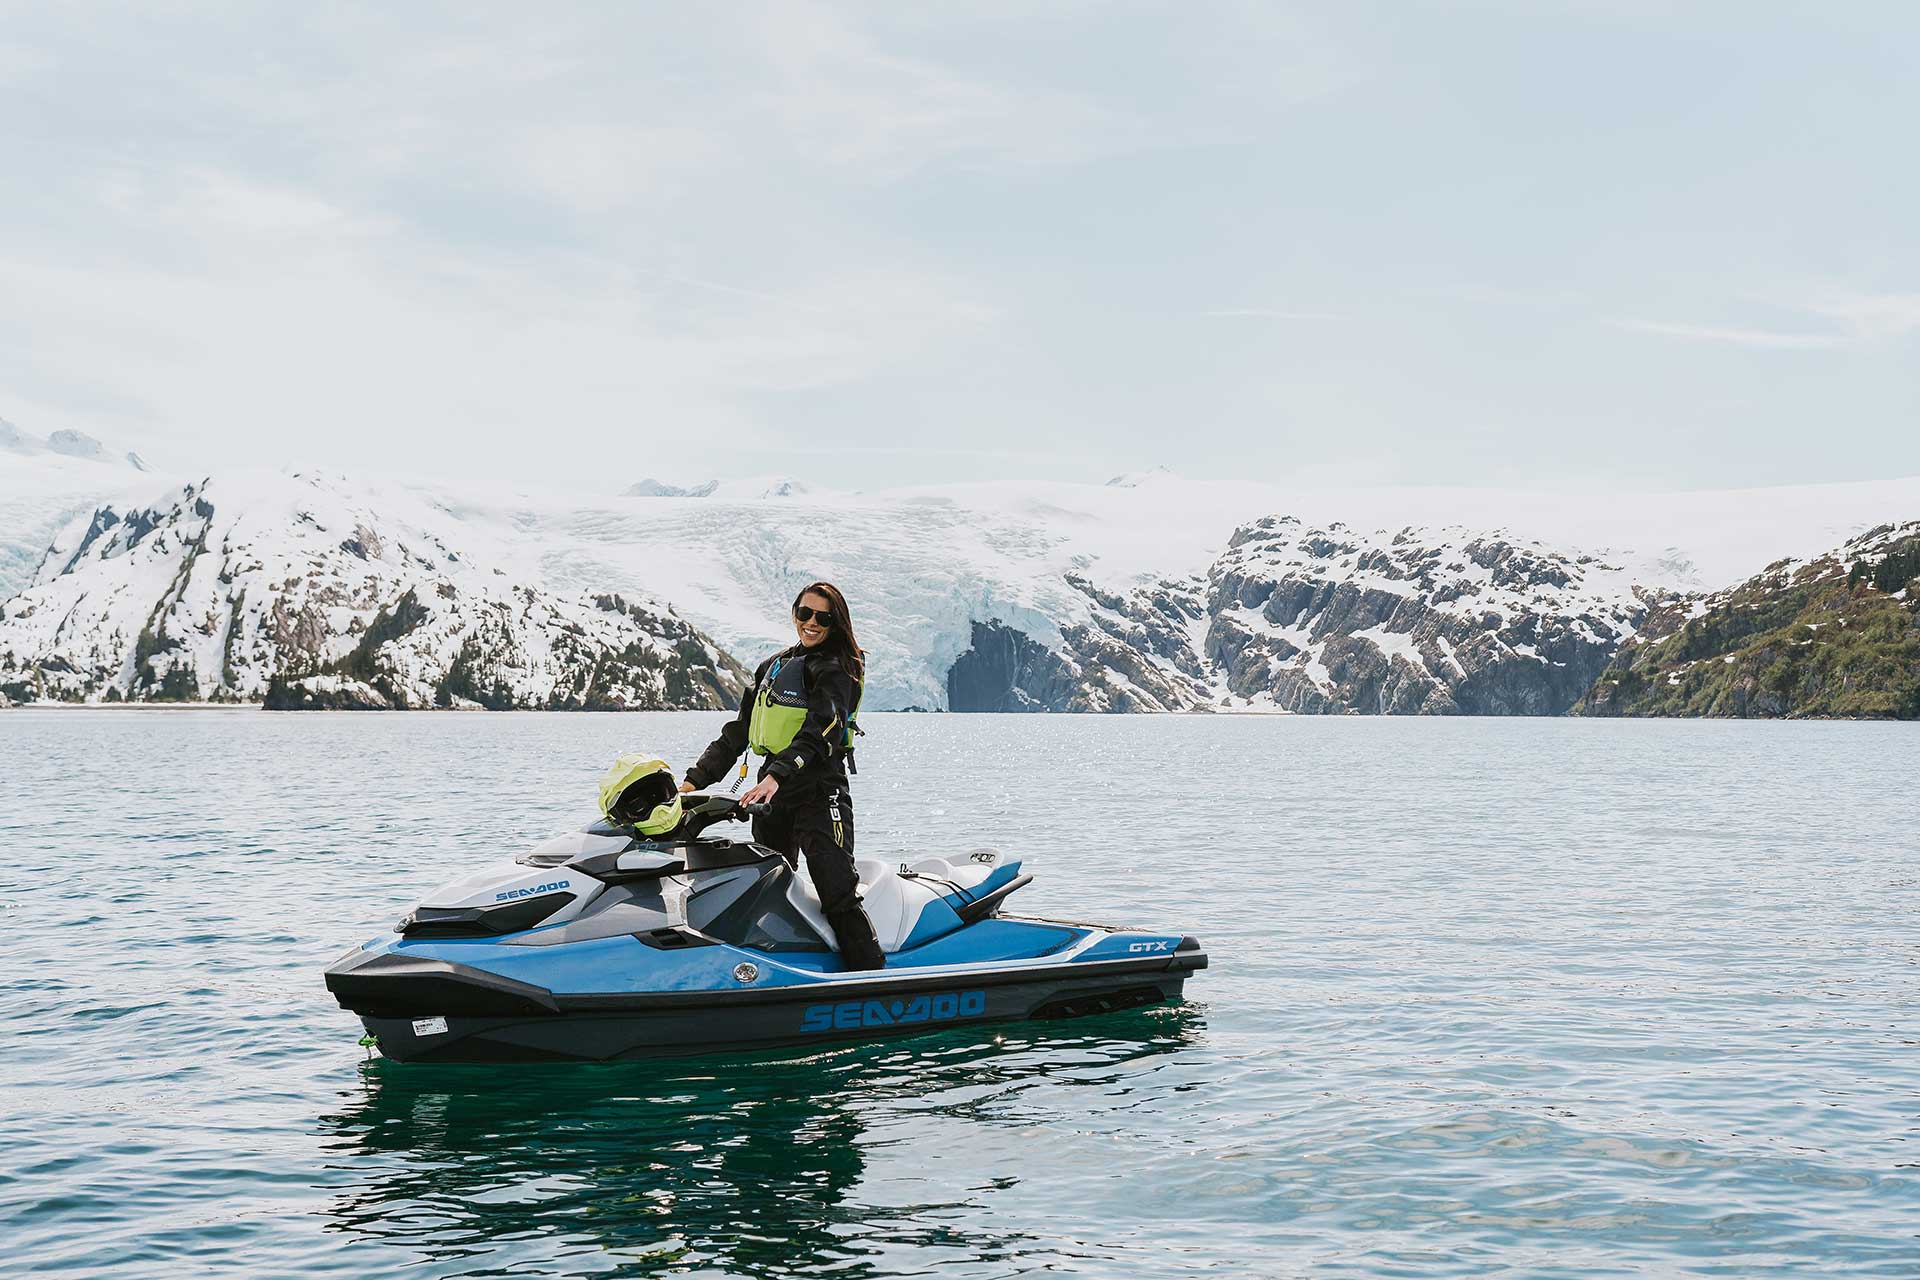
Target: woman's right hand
(684, 788)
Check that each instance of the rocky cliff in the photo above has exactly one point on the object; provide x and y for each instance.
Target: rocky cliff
(300, 591)
(1418, 621)
(1132, 653)
(1835, 635)
(1328, 620)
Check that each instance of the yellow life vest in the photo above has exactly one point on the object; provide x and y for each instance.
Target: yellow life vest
(780, 708)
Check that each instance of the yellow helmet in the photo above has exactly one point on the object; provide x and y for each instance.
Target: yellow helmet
(638, 791)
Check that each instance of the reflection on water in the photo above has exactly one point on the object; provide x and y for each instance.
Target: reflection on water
(741, 1164)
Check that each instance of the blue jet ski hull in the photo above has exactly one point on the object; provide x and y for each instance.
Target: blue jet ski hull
(495, 1001)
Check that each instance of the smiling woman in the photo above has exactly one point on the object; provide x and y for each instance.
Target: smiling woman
(799, 717)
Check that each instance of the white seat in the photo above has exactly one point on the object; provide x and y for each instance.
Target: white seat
(891, 903)
(967, 874)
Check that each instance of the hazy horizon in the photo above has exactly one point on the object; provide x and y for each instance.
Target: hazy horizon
(167, 469)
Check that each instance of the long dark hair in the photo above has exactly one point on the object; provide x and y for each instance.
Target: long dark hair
(839, 642)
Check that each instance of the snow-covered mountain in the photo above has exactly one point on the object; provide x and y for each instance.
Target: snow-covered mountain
(44, 481)
(308, 591)
(1134, 652)
(651, 488)
(725, 490)
(1026, 594)
(1300, 618)
(67, 444)
(1156, 592)
(1419, 621)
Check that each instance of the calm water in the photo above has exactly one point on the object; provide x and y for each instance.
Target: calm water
(1532, 998)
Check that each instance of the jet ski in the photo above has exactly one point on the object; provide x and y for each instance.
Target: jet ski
(605, 944)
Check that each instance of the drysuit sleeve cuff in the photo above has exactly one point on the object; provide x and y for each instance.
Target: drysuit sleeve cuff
(781, 768)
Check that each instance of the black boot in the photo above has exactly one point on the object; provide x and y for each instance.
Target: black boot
(859, 949)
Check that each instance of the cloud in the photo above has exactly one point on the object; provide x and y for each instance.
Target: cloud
(1848, 320)
(596, 168)
(19, 63)
(1762, 338)
(563, 228)
(1265, 313)
(287, 319)
(839, 95)
(1873, 319)
(368, 229)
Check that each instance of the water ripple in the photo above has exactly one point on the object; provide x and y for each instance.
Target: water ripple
(1489, 998)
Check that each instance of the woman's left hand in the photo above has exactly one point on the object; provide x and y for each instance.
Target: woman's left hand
(761, 792)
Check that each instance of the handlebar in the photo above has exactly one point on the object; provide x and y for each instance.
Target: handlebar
(704, 809)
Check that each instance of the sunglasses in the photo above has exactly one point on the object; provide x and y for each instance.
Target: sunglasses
(801, 613)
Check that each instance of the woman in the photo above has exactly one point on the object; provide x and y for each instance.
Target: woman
(797, 715)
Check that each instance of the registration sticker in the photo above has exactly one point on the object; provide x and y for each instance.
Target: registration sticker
(429, 1026)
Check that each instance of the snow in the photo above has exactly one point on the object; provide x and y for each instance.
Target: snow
(225, 579)
(918, 573)
(1395, 644)
(1259, 624)
(922, 563)
(1426, 564)
(1316, 670)
(40, 491)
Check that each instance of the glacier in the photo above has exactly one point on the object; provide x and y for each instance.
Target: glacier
(1012, 594)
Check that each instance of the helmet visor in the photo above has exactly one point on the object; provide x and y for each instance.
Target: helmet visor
(639, 801)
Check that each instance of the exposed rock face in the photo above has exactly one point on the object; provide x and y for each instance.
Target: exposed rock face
(1420, 622)
(1325, 621)
(1134, 653)
(324, 693)
(1007, 670)
(1837, 635)
(299, 590)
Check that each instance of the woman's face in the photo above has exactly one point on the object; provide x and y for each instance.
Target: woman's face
(811, 630)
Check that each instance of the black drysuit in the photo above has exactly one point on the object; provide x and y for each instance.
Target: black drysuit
(811, 814)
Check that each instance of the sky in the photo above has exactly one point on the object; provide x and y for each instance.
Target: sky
(1582, 245)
